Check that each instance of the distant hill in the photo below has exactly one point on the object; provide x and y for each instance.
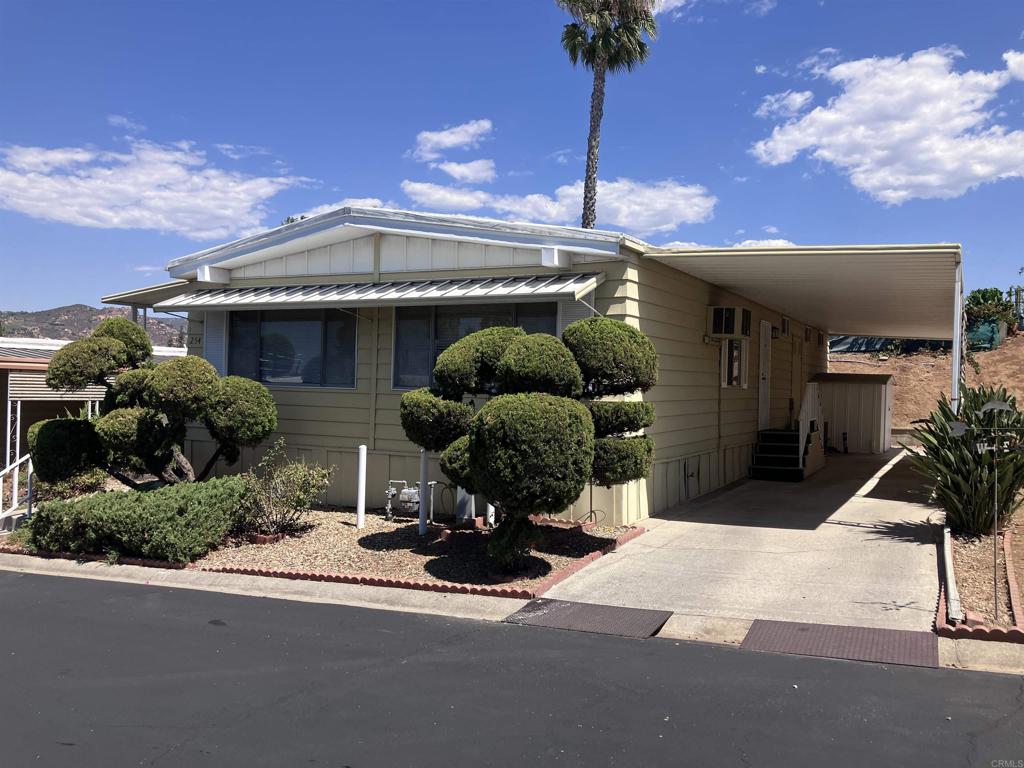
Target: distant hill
(77, 320)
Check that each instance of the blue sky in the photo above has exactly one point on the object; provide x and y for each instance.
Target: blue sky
(135, 132)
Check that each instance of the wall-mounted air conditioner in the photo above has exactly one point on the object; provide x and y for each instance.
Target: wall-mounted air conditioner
(729, 322)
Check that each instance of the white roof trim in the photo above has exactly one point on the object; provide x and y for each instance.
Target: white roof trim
(325, 227)
(399, 292)
(902, 291)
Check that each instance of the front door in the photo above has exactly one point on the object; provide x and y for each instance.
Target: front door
(764, 377)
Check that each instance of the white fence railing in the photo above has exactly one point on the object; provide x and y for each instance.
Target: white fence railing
(810, 414)
(10, 487)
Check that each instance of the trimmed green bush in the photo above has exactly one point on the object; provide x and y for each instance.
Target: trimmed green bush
(135, 339)
(122, 433)
(531, 454)
(539, 363)
(129, 390)
(279, 493)
(962, 478)
(242, 415)
(63, 448)
(621, 459)
(88, 481)
(184, 387)
(469, 365)
(433, 422)
(455, 464)
(84, 362)
(615, 357)
(178, 523)
(613, 417)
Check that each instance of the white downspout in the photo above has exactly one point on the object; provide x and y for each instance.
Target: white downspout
(958, 335)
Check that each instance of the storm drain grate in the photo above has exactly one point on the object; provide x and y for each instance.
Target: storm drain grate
(886, 646)
(587, 617)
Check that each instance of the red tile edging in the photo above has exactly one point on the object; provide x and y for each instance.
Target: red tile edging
(1014, 634)
(373, 581)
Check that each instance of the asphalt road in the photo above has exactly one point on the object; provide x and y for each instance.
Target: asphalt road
(105, 674)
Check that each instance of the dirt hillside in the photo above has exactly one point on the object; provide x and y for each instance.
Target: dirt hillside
(921, 378)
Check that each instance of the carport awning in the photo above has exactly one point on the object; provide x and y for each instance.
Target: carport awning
(902, 291)
(401, 292)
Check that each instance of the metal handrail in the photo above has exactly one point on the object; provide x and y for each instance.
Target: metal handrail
(810, 411)
(14, 470)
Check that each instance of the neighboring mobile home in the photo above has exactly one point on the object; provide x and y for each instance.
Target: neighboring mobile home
(340, 313)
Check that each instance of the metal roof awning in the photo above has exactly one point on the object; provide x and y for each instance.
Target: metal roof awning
(147, 296)
(895, 291)
(31, 385)
(401, 292)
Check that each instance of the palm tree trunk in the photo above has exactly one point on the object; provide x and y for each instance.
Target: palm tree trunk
(593, 143)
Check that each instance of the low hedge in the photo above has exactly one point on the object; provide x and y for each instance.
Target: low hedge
(621, 459)
(613, 417)
(177, 523)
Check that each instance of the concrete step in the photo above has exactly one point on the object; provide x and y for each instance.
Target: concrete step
(776, 460)
(780, 474)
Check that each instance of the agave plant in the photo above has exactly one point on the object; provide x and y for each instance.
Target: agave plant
(962, 473)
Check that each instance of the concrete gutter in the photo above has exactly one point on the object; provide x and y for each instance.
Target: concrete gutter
(954, 610)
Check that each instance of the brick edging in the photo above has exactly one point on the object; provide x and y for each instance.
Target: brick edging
(1012, 634)
(343, 578)
(1016, 609)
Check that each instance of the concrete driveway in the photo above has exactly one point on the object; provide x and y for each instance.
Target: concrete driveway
(850, 545)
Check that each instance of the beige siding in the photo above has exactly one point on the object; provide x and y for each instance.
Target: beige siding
(703, 435)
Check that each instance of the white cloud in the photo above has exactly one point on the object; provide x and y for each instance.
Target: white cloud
(770, 229)
(785, 104)
(667, 6)
(640, 207)
(819, 63)
(564, 156)
(906, 128)
(442, 198)
(473, 172)
(760, 69)
(761, 7)
(240, 151)
(148, 268)
(762, 243)
(347, 202)
(431, 144)
(125, 123)
(164, 187)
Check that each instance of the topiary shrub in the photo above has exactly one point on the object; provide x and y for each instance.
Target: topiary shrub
(138, 347)
(63, 448)
(178, 523)
(242, 414)
(129, 390)
(124, 434)
(621, 459)
(529, 454)
(82, 484)
(613, 417)
(469, 365)
(184, 387)
(433, 422)
(84, 362)
(615, 357)
(455, 464)
(539, 363)
(963, 478)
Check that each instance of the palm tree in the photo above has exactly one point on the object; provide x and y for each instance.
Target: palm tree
(607, 36)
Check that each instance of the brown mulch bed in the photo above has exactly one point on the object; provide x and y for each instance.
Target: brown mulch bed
(972, 561)
(394, 550)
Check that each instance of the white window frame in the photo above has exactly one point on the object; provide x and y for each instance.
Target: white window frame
(723, 363)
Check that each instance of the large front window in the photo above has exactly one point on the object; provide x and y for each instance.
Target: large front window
(309, 347)
(422, 333)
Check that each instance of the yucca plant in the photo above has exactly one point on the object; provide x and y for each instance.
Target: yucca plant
(963, 476)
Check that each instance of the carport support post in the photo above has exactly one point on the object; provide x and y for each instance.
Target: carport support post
(423, 491)
(361, 489)
(958, 336)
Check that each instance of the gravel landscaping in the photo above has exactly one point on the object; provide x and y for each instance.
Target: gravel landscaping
(394, 550)
(972, 560)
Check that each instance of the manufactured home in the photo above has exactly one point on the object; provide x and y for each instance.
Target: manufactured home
(340, 313)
